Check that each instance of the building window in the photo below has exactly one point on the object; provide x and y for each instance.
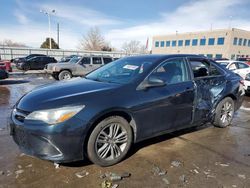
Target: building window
(209, 55)
(235, 40)
(218, 56)
(248, 43)
(187, 42)
(221, 41)
(174, 43)
(167, 43)
(245, 42)
(162, 43)
(202, 42)
(211, 41)
(180, 43)
(194, 42)
(240, 42)
(157, 44)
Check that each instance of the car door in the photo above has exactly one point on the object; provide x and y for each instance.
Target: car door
(82, 67)
(210, 83)
(242, 69)
(96, 63)
(170, 106)
(33, 62)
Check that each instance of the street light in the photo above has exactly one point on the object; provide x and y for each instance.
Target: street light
(48, 13)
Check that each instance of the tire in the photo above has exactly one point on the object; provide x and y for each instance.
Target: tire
(224, 113)
(65, 75)
(110, 152)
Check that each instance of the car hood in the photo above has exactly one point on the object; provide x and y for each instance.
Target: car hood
(60, 65)
(63, 93)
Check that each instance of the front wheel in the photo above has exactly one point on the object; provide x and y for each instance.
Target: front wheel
(224, 113)
(110, 141)
(65, 75)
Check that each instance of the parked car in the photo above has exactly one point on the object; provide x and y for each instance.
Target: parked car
(35, 63)
(3, 74)
(237, 67)
(124, 102)
(247, 84)
(244, 59)
(6, 65)
(67, 58)
(16, 60)
(77, 66)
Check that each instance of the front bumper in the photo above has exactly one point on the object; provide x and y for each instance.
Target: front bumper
(59, 143)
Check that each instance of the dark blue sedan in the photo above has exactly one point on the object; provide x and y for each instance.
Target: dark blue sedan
(134, 98)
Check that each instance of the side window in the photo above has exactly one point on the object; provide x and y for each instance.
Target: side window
(232, 66)
(107, 60)
(85, 61)
(172, 71)
(242, 66)
(202, 68)
(213, 71)
(97, 61)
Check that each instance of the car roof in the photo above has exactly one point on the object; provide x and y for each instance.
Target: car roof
(166, 56)
(228, 61)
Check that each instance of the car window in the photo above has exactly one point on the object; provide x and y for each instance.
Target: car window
(107, 60)
(202, 68)
(242, 66)
(97, 60)
(122, 71)
(85, 61)
(172, 71)
(232, 66)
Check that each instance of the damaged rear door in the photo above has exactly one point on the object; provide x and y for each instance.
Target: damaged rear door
(210, 83)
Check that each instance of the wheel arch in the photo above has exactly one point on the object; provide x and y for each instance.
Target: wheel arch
(114, 112)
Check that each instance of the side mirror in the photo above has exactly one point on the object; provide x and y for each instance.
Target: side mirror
(152, 81)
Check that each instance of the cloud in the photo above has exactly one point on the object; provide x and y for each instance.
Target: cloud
(191, 16)
(21, 18)
(34, 35)
(81, 15)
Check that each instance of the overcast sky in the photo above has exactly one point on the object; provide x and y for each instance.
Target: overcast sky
(119, 20)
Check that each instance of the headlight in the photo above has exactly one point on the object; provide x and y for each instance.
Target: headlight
(54, 116)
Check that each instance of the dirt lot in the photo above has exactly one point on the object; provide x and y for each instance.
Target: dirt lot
(203, 157)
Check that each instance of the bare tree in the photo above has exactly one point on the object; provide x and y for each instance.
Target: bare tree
(134, 46)
(94, 41)
(10, 43)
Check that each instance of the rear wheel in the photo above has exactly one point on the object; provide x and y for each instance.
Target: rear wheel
(110, 141)
(65, 75)
(224, 113)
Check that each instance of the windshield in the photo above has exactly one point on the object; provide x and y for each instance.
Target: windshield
(121, 71)
(75, 59)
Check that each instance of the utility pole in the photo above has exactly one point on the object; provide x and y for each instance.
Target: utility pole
(58, 35)
(48, 14)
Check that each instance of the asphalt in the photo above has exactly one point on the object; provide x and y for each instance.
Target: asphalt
(198, 157)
